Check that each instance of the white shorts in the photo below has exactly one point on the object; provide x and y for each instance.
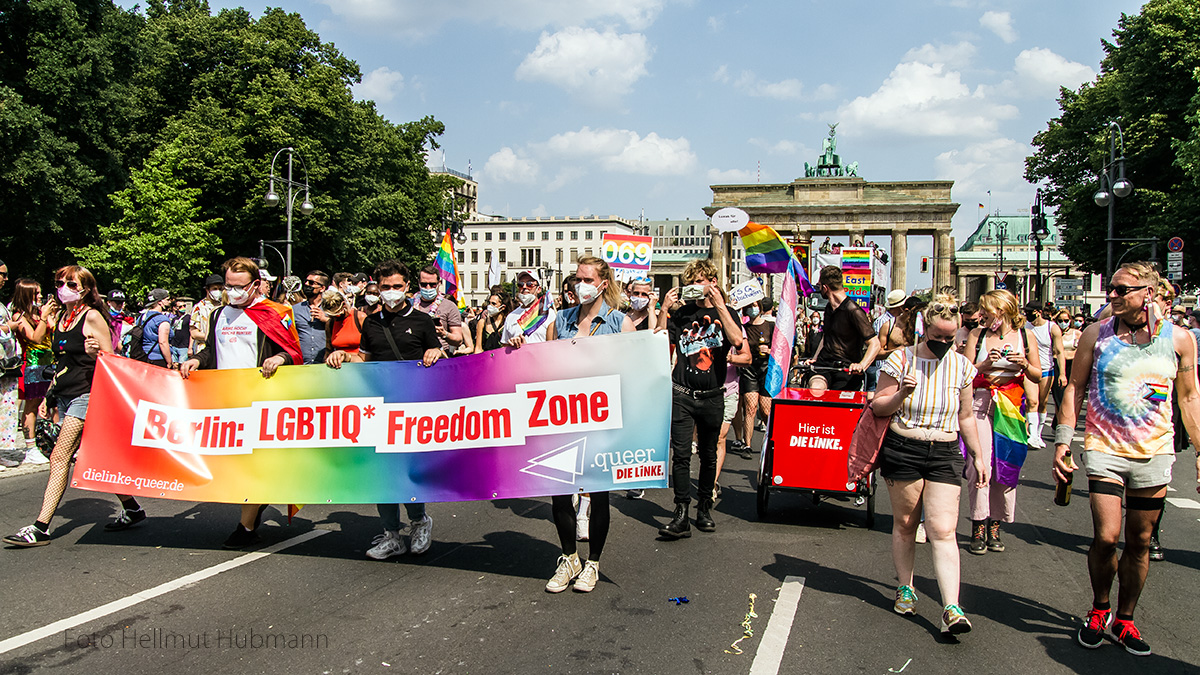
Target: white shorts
(731, 406)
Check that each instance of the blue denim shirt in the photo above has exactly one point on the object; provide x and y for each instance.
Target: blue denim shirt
(609, 321)
(312, 333)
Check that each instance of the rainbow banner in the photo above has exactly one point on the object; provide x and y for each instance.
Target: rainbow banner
(561, 417)
(766, 253)
(1010, 438)
(629, 255)
(856, 275)
(447, 267)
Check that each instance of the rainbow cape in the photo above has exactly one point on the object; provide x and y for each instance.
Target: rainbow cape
(535, 315)
(447, 266)
(275, 320)
(1010, 437)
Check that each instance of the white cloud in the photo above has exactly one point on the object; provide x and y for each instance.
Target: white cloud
(722, 75)
(956, 56)
(625, 151)
(420, 18)
(566, 176)
(923, 99)
(731, 177)
(540, 211)
(999, 23)
(997, 165)
(784, 90)
(506, 166)
(780, 147)
(715, 24)
(380, 85)
(597, 66)
(825, 92)
(1041, 72)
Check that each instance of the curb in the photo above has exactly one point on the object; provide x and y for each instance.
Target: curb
(23, 470)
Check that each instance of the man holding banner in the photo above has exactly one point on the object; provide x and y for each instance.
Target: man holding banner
(401, 332)
(702, 332)
(250, 332)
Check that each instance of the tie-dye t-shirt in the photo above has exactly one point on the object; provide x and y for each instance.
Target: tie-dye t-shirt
(1129, 395)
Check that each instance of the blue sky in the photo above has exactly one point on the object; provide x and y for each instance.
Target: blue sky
(612, 107)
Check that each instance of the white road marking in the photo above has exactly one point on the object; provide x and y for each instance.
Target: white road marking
(775, 637)
(1180, 502)
(57, 627)
(1171, 489)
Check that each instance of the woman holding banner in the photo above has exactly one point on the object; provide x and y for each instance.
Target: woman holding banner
(927, 392)
(595, 314)
(81, 333)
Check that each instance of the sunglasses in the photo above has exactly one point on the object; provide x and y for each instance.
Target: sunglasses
(312, 284)
(1122, 290)
(59, 283)
(526, 284)
(428, 284)
(244, 286)
(389, 287)
(939, 308)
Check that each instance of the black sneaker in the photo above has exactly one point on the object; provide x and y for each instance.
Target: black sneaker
(1156, 549)
(241, 538)
(126, 519)
(28, 537)
(1127, 634)
(1091, 633)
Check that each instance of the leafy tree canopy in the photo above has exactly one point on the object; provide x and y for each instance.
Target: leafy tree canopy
(117, 123)
(1150, 83)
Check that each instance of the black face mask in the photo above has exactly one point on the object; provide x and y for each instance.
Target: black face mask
(938, 348)
(1032, 316)
(971, 324)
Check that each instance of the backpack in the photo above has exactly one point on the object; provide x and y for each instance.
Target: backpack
(133, 341)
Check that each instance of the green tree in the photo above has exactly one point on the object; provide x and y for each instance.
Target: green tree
(159, 240)
(1148, 81)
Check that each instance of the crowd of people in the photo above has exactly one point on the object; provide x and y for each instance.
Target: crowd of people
(963, 387)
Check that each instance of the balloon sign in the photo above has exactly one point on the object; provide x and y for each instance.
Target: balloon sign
(730, 219)
(628, 255)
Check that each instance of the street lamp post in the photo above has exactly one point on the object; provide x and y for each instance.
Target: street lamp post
(1038, 231)
(293, 189)
(1112, 182)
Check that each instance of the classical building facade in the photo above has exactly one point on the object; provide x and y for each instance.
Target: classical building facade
(832, 200)
(1000, 251)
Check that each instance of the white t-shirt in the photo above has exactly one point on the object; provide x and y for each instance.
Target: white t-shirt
(237, 339)
(511, 329)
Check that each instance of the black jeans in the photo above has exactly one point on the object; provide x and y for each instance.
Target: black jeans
(704, 416)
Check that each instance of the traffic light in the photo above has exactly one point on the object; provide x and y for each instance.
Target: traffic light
(924, 265)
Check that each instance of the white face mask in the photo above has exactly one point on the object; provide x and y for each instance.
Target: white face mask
(392, 298)
(372, 299)
(492, 310)
(526, 299)
(215, 295)
(67, 295)
(353, 290)
(238, 296)
(586, 293)
(639, 303)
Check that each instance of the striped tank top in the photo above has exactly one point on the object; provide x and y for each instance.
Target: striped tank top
(1129, 394)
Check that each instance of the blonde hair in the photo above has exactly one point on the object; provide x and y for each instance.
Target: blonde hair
(1004, 304)
(1146, 273)
(333, 302)
(612, 292)
(943, 306)
(699, 268)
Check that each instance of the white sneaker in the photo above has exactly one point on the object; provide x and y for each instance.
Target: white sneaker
(422, 535)
(34, 456)
(588, 577)
(921, 536)
(1035, 439)
(568, 569)
(387, 545)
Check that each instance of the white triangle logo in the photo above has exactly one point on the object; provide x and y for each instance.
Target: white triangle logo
(561, 464)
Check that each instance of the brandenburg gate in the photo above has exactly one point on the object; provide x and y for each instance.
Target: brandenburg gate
(831, 200)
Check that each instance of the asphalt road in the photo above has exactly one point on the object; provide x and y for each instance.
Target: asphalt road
(475, 602)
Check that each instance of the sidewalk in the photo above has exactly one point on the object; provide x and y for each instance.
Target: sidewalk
(24, 470)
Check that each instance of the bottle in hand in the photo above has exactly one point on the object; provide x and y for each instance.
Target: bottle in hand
(1062, 489)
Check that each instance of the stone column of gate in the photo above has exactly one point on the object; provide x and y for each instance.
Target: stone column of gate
(941, 257)
(899, 259)
(962, 286)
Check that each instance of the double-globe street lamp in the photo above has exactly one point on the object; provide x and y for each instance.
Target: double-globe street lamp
(293, 189)
(1112, 183)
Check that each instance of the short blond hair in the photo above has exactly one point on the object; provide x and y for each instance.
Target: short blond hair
(1145, 272)
(699, 268)
(1003, 303)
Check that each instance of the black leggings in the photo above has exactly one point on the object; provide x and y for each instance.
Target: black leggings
(564, 522)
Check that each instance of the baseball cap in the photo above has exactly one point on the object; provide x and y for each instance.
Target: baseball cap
(214, 280)
(1034, 307)
(157, 295)
(360, 278)
(896, 299)
(116, 294)
(528, 273)
(265, 275)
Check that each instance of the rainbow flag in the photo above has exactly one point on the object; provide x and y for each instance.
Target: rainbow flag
(766, 253)
(1157, 393)
(1010, 437)
(536, 315)
(447, 266)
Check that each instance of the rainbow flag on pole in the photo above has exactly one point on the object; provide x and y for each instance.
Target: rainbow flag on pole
(1009, 434)
(767, 253)
(447, 266)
